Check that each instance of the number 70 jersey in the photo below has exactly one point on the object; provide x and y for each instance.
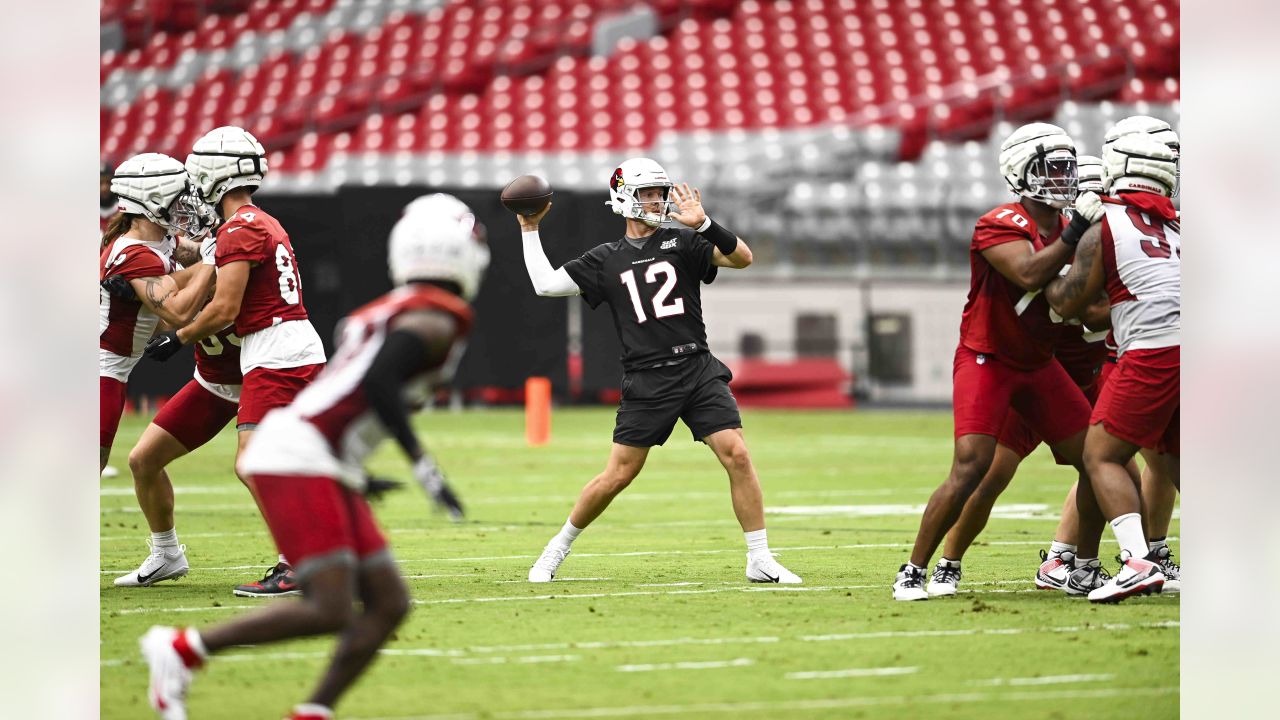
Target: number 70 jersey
(1141, 251)
(653, 292)
(274, 292)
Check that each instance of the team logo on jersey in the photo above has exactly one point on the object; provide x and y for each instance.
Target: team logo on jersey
(667, 244)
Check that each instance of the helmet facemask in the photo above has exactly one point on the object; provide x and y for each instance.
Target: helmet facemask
(191, 215)
(1051, 178)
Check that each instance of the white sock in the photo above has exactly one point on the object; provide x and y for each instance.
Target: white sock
(948, 563)
(914, 566)
(757, 543)
(1086, 562)
(286, 562)
(1128, 530)
(567, 534)
(312, 709)
(196, 643)
(166, 539)
(1156, 544)
(1057, 548)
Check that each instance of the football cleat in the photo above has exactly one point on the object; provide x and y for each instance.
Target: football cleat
(1137, 576)
(1172, 571)
(161, 564)
(764, 569)
(548, 562)
(110, 471)
(446, 500)
(311, 712)
(278, 581)
(946, 576)
(909, 584)
(170, 676)
(1083, 580)
(1054, 570)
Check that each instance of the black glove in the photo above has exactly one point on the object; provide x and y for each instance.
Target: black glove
(376, 487)
(162, 347)
(119, 286)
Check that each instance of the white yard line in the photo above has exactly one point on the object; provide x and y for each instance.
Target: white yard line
(776, 708)
(684, 641)
(527, 659)
(850, 673)
(704, 665)
(1045, 680)
(635, 553)
(558, 579)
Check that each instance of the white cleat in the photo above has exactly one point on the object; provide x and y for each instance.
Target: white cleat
(910, 584)
(110, 471)
(161, 564)
(1137, 576)
(946, 576)
(1055, 570)
(548, 562)
(1172, 571)
(170, 677)
(764, 569)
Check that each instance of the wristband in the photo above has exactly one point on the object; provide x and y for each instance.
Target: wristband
(1075, 229)
(725, 241)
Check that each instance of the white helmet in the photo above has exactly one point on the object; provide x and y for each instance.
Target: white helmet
(226, 158)
(1156, 128)
(627, 181)
(1139, 162)
(157, 187)
(1089, 174)
(438, 238)
(1038, 161)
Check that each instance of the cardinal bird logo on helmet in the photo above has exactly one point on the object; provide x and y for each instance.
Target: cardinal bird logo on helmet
(616, 182)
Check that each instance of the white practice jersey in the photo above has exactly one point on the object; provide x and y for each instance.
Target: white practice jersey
(1142, 262)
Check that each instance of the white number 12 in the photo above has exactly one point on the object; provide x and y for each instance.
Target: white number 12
(661, 308)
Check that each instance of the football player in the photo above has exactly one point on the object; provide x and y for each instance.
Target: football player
(650, 280)
(1005, 358)
(1081, 353)
(1134, 254)
(259, 289)
(306, 463)
(156, 198)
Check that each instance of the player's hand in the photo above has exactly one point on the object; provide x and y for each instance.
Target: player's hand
(689, 210)
(530, 222)
(207, 250)
(119, 286)
(376, 487)
(163, 346)
(1089, 205)
(431, 478)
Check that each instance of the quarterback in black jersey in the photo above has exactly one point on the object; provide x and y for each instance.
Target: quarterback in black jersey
(651, 280)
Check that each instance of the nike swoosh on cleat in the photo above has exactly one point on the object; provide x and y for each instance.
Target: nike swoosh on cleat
(145, 578)
(770, 577)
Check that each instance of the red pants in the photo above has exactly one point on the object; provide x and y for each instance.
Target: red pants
(110, 407)
(314, 518)
(1141, 400)
(266, 389)
(985, 389)
(195, 415)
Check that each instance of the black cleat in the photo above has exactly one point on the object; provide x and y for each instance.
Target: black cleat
(278, 581)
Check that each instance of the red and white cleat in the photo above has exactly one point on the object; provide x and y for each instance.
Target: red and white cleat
(170, 676)
(311, 711)
(1137, 576)
(1055, 570)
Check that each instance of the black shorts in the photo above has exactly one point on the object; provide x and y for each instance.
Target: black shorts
(695, 391)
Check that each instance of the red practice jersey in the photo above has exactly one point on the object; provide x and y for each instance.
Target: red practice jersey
(218, 357)
(335, 403)
(1142, 267)
(124, 326)
(274, 292)
(997, 320)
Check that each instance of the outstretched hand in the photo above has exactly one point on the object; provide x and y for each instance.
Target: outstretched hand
(688, 201)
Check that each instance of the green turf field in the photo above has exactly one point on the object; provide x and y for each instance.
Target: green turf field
(653, 617)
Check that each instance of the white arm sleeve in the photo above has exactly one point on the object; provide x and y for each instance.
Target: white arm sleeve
(546, 281)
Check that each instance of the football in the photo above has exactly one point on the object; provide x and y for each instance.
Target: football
(527, 195)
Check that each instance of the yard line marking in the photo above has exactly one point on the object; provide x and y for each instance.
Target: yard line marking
(850, 673)
(559, 579)
(671, 584)
(638, 553)
(1045, 680)
(891, 510)
(679, 641)
(705, 665)
(179, 490)
(636, 593)
(440, 575)
(502, 660)
(775, 707)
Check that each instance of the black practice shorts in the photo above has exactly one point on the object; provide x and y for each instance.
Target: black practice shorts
(695, 391)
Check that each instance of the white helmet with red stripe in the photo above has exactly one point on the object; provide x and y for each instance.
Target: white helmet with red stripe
(438, 238)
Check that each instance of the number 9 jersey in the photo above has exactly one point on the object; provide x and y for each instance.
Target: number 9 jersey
(653, 292)
(274, 292)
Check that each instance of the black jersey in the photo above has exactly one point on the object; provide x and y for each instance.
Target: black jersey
(652, 292)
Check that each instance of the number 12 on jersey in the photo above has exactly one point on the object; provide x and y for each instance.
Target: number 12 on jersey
(661, 308)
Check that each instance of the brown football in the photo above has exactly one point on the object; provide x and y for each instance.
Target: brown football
(527, 195)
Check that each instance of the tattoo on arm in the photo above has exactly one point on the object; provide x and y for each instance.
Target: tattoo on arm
(156, 291)
(1068, 290)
